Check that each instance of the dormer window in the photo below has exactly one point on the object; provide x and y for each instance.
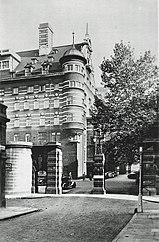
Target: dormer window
(45, 67)
(5, 64)
(51, 58)
(34, 60)
(28, 69)
(55, 51)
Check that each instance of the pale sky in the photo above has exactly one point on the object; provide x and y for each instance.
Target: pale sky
(110, 21)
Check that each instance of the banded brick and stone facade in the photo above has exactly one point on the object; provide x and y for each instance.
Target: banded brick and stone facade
(49, 96)
(3, 157)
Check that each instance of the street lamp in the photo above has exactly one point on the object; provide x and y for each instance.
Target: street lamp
(140, 204)
(95, 147)
(100, 137)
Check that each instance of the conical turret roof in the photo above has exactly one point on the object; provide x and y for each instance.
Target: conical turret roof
(73, 53)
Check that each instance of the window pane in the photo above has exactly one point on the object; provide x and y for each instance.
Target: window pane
(56, 120)
(16, 123)
(56, 86)
(26, 105)
(69, 117)
(15, 90)
(16, 137)
(28, 122)
(53, 137)
(69, 100)
(46, 104)
(56, 103)
(42, 121)
(16, 106)
(30, 89)
(58, 137)
(70, 67)
(5, 64)
(27, 137)
(42, 88)
(36, 105)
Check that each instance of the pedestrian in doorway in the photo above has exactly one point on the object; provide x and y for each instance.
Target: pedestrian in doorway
(70, 175)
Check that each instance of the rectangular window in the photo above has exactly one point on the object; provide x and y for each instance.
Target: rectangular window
(69, 100)
(70, 67)
(77, 68)
(26, 105)
(56, 103)
(16, 137)
(69, 117)
(72, 83)
(15, 90)
(36, 104)
(16, 123)
(42, 137)
(42, 121)
(27, 137)
(56, 121)
(1, 92)
(53, 137)
(57, 86)
(16, 106)
(42, 88)
(58, 137)
(30, 89)
(28, 122)
(5, 64)
(46, 103)
(0, 64)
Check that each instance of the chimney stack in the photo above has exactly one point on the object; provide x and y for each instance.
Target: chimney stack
(45, 39)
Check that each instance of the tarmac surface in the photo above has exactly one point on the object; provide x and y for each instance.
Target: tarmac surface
(142, 227)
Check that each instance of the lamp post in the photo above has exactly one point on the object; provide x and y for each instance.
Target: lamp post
(100, 137)
(140, 203)
(95, 147)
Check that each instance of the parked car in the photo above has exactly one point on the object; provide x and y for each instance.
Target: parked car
(68, 183)
(133, 175)
(110, 174)
(42, 181)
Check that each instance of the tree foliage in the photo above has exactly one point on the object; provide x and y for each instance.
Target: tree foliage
(129, 106)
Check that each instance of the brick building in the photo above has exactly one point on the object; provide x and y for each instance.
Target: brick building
(3, 121)
(49, 92)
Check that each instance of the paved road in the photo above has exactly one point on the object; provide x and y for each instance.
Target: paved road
(68, 219)
(121, 185)
(117, 185)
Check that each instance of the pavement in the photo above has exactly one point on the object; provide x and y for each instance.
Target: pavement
(12, 212)
(142, 227)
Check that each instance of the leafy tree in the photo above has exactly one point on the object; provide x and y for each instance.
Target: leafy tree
(129, 104)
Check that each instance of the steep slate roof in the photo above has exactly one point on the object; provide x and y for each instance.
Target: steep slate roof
(56, 52)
